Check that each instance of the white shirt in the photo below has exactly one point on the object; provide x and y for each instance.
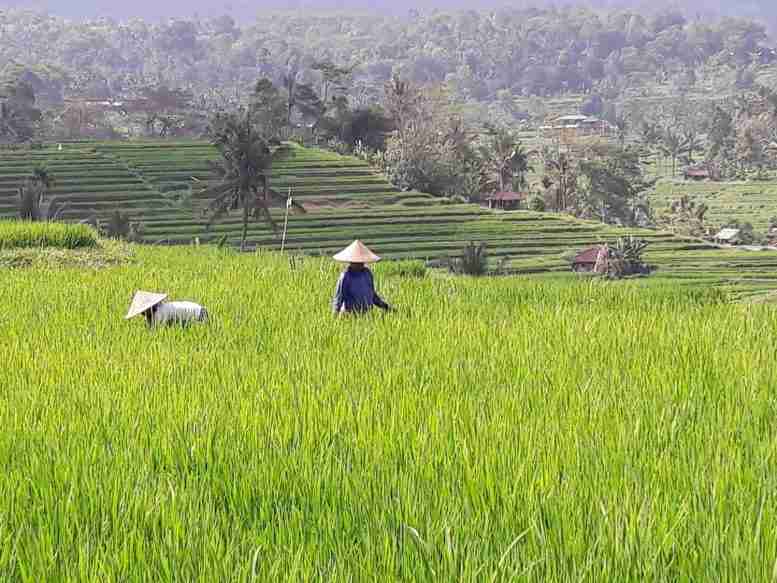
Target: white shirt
(177, 312)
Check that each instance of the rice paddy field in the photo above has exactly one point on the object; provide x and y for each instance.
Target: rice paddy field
(494, 429)
(157, 182)
(754, 202)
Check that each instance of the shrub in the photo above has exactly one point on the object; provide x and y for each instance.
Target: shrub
(537, 203)
(26, 234)
(120, 226)
(33, 207)
(473, 260)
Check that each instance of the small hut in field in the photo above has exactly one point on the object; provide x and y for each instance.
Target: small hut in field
(697, 174)
(727, 236)
(702, 172)
(506, 201)
(587, 260)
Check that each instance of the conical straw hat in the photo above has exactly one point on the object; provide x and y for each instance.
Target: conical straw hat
(142, 302)
(356, 252)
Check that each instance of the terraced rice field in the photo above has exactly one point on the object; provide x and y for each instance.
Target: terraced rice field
(86, 179)
(753, 202)
(346, 200)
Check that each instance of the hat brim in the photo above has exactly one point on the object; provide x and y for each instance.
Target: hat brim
(144, 301)
(356, 252)
(350, 258)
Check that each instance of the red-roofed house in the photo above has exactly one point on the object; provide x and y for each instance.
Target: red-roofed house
(586, 260)
(506, 201)
(702, 172)
(697, 174)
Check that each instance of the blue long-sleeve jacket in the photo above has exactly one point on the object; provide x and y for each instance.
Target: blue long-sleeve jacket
(355, 292)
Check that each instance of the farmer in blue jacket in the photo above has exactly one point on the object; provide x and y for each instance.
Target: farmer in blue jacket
(356, 288)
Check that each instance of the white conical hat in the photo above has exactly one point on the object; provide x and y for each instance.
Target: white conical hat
(356, 252)
(142, 302)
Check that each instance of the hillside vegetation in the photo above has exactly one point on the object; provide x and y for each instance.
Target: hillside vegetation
(482, 55)
(489, 428)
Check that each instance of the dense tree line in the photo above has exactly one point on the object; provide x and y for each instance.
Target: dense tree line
(245, 10)
(479, 55)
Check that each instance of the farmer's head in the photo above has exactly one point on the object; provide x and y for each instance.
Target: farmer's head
(145, 303)
(356, 255)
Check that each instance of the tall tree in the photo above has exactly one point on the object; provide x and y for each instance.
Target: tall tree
(165, 108)
(504, 160)
(243, 172)
(686, 216)
(334, 80)
(300, 97)
(403, 102)
(18, 113)
(560, 177)
(612, 187)
(268, 109)
(672, 146)
(691, 143)
(721, 133)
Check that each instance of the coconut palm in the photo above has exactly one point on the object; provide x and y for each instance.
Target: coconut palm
(560, 177)
(33, 202)
(504, 160)
(243, 173)
(672, 146)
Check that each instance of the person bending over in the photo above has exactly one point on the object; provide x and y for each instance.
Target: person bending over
(157, 311)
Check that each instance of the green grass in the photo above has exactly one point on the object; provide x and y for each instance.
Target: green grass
(22, 235)
(754, 202)
(107, 253)
(503, 429)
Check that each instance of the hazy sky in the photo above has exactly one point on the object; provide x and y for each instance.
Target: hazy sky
(248, 10)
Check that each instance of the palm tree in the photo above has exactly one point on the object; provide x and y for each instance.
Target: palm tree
(672, 146)
(691, 144)
(560, 174)
(301, 97)
(504, 160)
(41, 179)
(622, 128)
(243, 173)
(687, 214)
(33, 203)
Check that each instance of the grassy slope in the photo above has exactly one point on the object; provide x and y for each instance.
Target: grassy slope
(558, 430)
(753, 201)
(347, 200)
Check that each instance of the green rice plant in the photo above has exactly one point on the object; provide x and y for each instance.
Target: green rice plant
(25, 234)
(494, 429)
(408, 268)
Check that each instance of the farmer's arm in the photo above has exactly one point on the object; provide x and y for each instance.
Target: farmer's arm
(339, 299)
(376, 299)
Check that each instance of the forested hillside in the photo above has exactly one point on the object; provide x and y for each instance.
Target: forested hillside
(482, 56)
